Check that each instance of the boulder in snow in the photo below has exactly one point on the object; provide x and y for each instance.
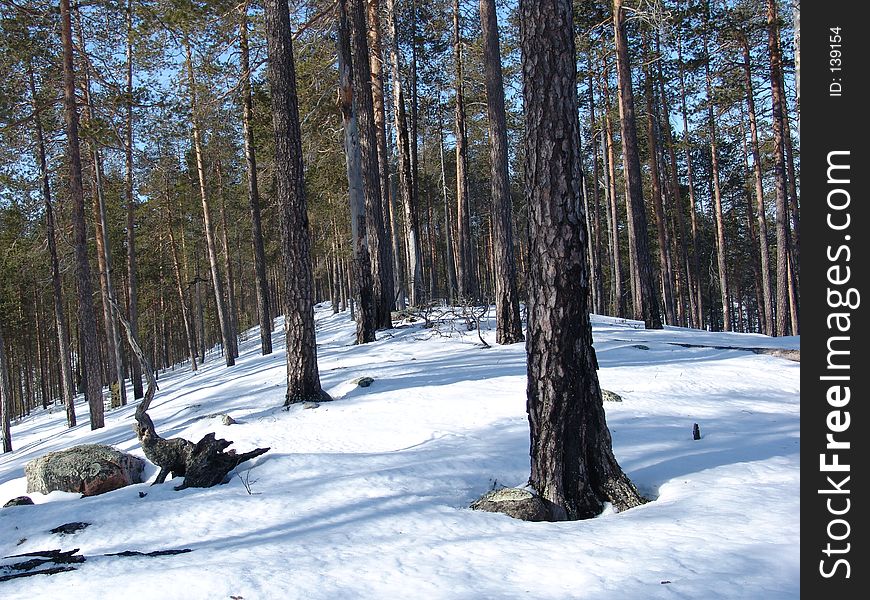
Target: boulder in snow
(89, 469)
(514, 502)
(363, 381)
(609, 396)
(19, 501)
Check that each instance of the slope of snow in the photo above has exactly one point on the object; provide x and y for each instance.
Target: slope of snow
(367, 496)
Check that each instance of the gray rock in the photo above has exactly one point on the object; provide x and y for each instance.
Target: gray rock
(19, 501)
(514, 502)
(89, 469)
(310, 405)
(640, 347)
(228, 420)
(363, 381)
(609, 396)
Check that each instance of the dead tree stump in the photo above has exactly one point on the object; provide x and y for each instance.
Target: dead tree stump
(203, 464)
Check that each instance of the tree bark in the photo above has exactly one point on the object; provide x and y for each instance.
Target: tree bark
(362, 275)
(452, 285)
(634, 185)
(509, 329)
(264, 311)
(87, 323)
(303, 378)
(573, 468)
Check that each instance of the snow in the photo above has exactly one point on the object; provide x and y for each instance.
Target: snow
(367, 496)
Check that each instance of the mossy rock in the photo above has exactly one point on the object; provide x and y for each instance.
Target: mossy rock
(514, 502)
(609, 396)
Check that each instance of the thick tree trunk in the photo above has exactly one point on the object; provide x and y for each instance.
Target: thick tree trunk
(466, 276)
(63, 348)
(362, 275)
(509, 328)
(264, 311)
(573, 468)
(87, 323)
(759, 193)
(303, 378)
(634, 185)
(782, 233)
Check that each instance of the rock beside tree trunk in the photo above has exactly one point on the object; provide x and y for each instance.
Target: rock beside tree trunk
(89, 469)
(514, 502)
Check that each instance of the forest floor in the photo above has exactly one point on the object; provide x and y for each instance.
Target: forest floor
(367, 496)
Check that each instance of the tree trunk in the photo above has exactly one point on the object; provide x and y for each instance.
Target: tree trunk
(227, 334)
(5, 398)
(759, 192)
(87, 323)
(63, 348)
(613, 207)
(376, 58)
(406, 184)
(665, 265)
(232, 313)
(452, 285)
(303, 378)
(467, 280)
(382, 274)
(685, 276)
(573, 468)
(101, 234)
(132, 281)
(782, 237)
(186, 317)
(509, 328)
(634, 185)
(362, 275)
(721, 260)
(696, 261)
(597, 259)
(264, 311)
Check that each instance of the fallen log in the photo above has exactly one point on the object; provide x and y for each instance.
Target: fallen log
(203, 464)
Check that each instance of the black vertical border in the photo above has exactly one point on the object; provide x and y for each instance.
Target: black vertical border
(833, 123)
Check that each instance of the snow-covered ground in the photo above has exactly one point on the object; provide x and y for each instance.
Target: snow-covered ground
(367, 496)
